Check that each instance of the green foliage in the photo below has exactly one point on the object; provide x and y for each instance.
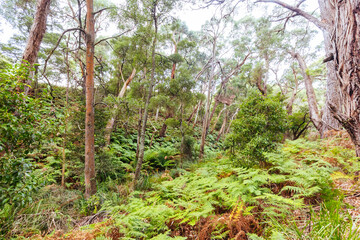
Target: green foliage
(298, 123)
(22, 128)
(330, 222)
(24, 124)
(259, 127)
(159, 158)
(216, 186)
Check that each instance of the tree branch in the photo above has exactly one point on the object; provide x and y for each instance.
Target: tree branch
(116, 36)
(57, 44)
(297, 10)
(102, 10)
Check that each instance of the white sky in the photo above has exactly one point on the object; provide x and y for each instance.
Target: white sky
(193, 17)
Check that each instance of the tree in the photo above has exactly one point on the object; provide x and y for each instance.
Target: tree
(310, 93)
(90, 181)
(37, 33)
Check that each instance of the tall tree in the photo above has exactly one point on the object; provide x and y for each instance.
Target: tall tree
(157, 10)
(154, 15)
(90, 181)
(37, 33)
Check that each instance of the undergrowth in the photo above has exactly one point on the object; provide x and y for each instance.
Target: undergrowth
(293, 197)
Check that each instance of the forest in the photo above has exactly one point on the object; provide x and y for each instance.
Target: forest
(124, 120)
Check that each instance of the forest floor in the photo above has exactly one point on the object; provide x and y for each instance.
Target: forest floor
(307, 190)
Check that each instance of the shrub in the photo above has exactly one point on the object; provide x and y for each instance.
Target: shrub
(259, 126)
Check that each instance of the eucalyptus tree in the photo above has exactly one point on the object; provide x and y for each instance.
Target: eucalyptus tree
(212, 30)
(156, 12)
(182, 43)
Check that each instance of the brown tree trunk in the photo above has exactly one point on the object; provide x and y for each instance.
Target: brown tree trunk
(36, 35)
(90, 181)
(37, 31)
(114, 111)
(162, 132)
(216, 103)
(310, 93)
(152, 83)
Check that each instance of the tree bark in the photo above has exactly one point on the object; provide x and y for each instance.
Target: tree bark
(310, 93)
(37, 32)
(36, 36)
(90, 181)
(138, 133)
(197, 114)
(346, 42)
(152, 83)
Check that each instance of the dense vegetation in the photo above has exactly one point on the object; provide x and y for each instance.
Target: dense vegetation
(163, 132)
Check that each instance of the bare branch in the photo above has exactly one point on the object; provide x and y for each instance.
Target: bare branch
(297, 10)
(101, 10)
(57, 44)
(116, 36)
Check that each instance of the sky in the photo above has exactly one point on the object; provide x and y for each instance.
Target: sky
(191, 15)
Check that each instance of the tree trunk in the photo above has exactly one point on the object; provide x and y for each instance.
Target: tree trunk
(114, 111)
(222, 129)
(346, 40)
(193, 112)
(90, 181)
(208, 100)
(152, 83)
(310, 93)
(37, 32)
(36, 35)
(333, 95)
(217, 118)
(216, 103)
(231, 120)
(289, 106)
(66, 116)
(157, 114)
(138, 133)
(196, 115)
(162, 132)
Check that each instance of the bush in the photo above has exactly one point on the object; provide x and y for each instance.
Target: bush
(259, 126)
(24, 124)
